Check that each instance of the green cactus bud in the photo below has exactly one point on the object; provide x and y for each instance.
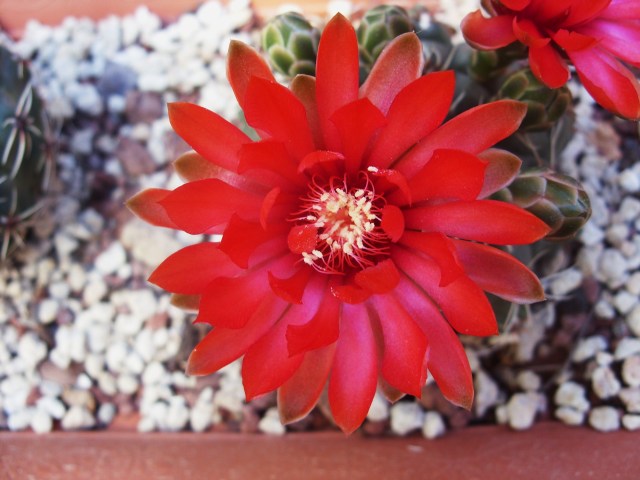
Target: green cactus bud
(544, 105)
(556, 199)
(377, 28)
(291, 43)
(24, 160)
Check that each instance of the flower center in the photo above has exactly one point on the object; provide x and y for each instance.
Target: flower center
(347, 223)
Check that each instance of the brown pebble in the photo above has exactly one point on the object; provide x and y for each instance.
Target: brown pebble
(134, 157)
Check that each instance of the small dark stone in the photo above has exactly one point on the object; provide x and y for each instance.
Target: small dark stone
(134, 157)
(117, 79)
(143, 107)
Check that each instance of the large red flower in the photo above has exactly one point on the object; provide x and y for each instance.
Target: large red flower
(595, 35)
(353, 233)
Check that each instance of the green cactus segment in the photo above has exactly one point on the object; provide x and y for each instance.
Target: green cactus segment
(544, 105)
(23, 150)
(377, 28)
(291, 44)
(556, 199)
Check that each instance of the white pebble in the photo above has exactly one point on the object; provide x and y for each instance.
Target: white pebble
(604, 383)
(565, 282)
(94, 291)
(521, 409)
(52, 406)
(587, 348)
(111, 259)
(433, 426)
(48, 310)
(604, 419)
(629, 181)
(631, 399)
(379, 409)
(106, 413)
(528, 381)
(571, 394)
(624, 301)
(270, 423)
(570, 416)
(77, 418)
(613, 267)
(633, 320)
(406, 417)
(127, 384)
(631, 422)
(631, 371)
(41, 422)
(20, 419)
(487, 393)
(627, 347)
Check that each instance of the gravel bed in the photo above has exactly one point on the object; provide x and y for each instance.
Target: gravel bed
(86, 342)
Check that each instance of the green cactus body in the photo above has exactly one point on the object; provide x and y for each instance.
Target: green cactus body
(24, 169)
(377, 28)
(556, 199)
(291, 44)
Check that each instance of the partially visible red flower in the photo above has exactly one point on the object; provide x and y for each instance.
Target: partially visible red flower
(354, 232)
(593, 34)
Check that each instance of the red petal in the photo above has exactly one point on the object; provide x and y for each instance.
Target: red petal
(450, 174)
(487, 33)
(571, 41)
(320, 331)
(337, 74)
(190, 303)
(528, 33)
(243, 63)
(464, 305)
(272, 108)
(356, 123)
(304, 88)
(405, 346)
(409, 120)
(472, 131)
(267, 206)
(441, 251)
(270, 157)
(192, 268)
(321, 158)
(621, 10)
(399, 64)
(222, 345)
(192, 166)
(487, 221)
(268, 363)
(616, 36)
(392, 222)
(515, 5)
(207, 133)
(291, 289)
(548, 66)
(611, 84)
(447, 360)
(581, 12)
(196, 207)
(499, 273)
(242, 238)
(380, 278)
(387, 179)
(353, 377)
(502, 168)
(231, 302)
(146, 205)
(302, 238)
(349, 293)
(298, 395)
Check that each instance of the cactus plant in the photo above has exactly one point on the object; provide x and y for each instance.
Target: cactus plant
(377, 28)
(24, 165)
(291, 43)
(557, 199)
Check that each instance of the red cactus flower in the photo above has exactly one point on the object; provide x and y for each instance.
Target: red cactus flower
(594, 35)
(353, 233)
